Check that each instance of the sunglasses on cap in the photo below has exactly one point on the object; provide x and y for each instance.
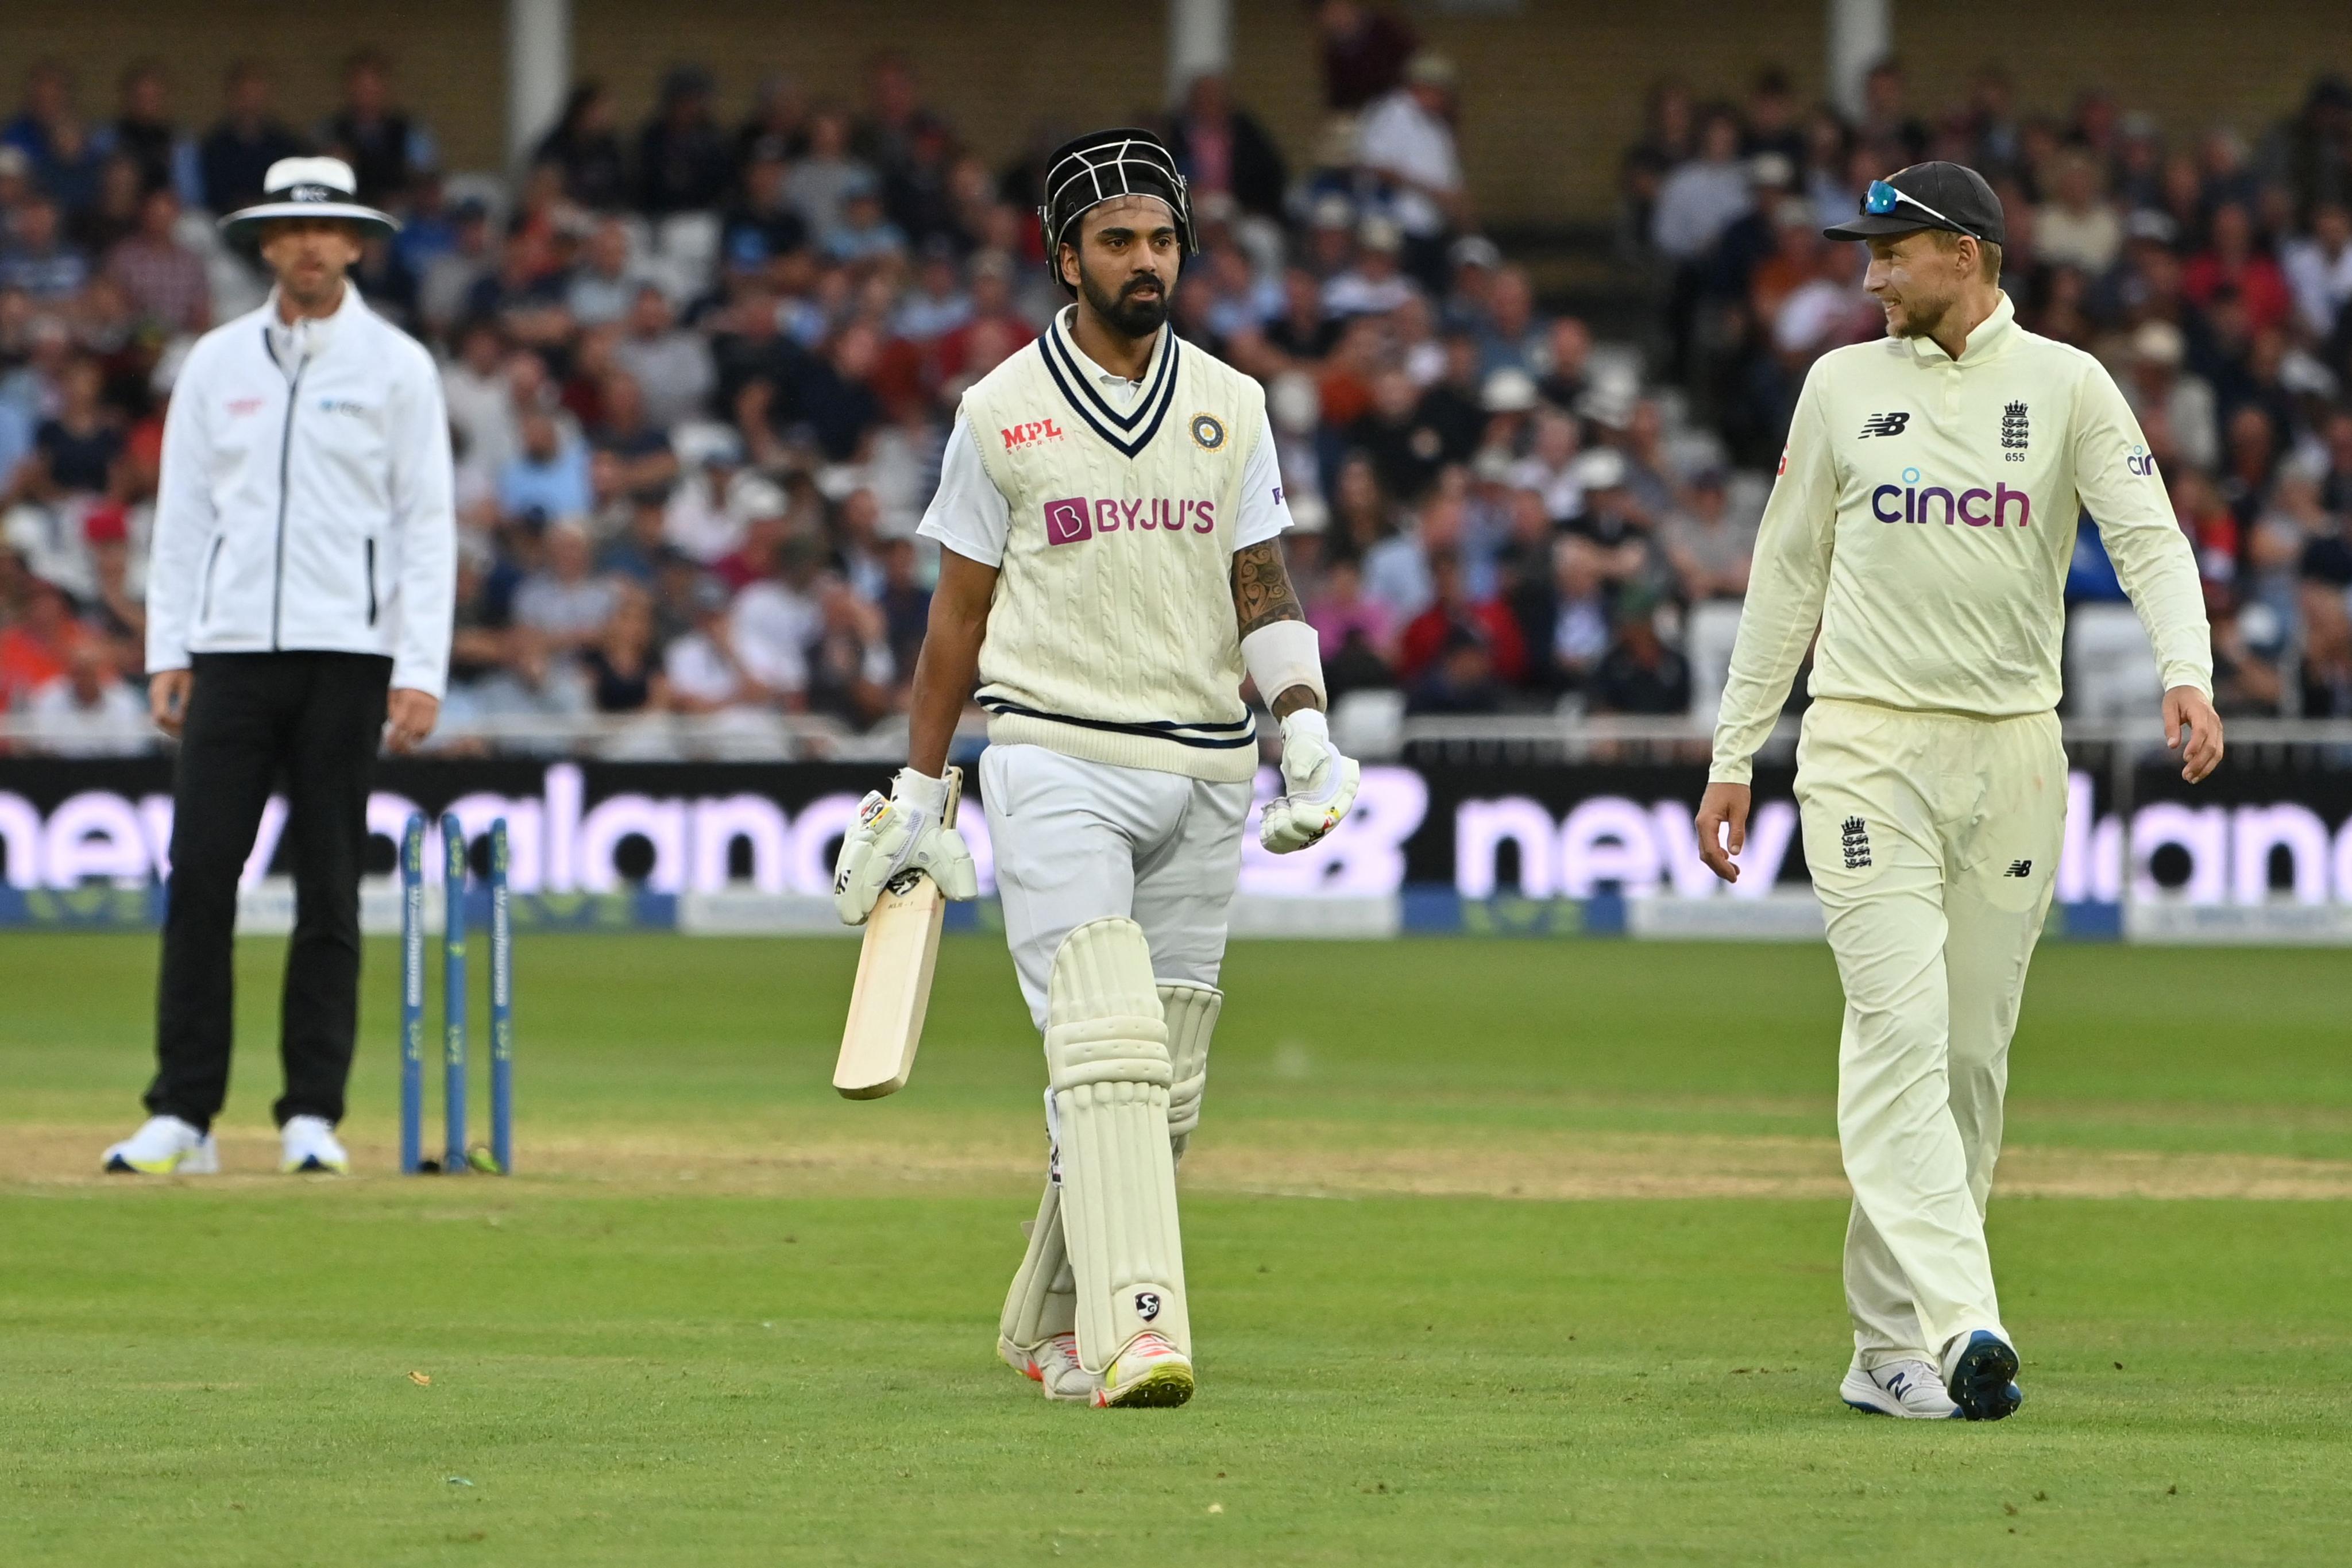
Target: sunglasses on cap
(1884, 198)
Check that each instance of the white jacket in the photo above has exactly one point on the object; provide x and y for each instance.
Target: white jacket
(306, 497)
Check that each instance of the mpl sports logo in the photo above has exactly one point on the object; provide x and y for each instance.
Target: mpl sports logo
(1976, 506)
(1029, 432)
(1077, 518)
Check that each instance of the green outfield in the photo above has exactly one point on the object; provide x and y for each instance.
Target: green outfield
(1500, 1252)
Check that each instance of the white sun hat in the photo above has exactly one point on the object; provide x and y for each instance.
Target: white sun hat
(306, 188)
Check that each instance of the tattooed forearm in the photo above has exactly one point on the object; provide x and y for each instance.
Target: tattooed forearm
(1263, 596)
(1262, 590)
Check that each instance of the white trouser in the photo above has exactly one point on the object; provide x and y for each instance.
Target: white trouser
(1078, 841)
(1933, 842)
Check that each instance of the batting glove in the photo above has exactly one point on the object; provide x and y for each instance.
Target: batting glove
(1318, 786)
(896, 838)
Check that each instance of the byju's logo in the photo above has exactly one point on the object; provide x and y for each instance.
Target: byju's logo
(1886, 424)
(2141, 461)
(1976, 506)
(1068, 522)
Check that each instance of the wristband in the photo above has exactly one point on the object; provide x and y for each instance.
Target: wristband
(1283, 655)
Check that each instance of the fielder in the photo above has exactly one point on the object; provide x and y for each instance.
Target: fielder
(1923, 520)
(1109, 510)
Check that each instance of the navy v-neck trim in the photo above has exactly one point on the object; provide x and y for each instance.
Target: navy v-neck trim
(1078, 390)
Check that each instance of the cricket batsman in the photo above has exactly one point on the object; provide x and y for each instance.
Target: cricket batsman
(1109, 512)
(1923, 520)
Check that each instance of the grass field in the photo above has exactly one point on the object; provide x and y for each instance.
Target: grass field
(1499, 1253)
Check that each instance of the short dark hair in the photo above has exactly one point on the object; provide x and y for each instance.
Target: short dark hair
(1988, 252)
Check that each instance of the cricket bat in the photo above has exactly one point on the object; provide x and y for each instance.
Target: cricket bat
(893, 990)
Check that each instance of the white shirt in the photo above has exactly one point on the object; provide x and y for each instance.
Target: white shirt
(117, 724)
(1397, 136)
(969, 515)
(2322, 283)
(305, 504)
(774, 629)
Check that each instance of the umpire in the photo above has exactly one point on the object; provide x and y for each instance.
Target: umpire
(298, 608)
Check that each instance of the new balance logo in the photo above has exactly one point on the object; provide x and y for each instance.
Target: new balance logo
(1854, 840)
(2019, 868)
(1886, 424)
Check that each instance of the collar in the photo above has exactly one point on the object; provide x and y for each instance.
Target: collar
(309, 336)
(1080, 381)
(1066, 324)
(1992, 335)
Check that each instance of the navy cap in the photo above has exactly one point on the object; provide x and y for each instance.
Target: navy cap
(1950, 197)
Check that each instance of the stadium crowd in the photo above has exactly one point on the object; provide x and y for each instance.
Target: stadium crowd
(699, 373)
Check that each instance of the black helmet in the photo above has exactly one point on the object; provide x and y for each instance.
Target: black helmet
(1102, 166)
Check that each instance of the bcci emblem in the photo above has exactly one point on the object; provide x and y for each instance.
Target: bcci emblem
(2013, 431)
(1207, 433)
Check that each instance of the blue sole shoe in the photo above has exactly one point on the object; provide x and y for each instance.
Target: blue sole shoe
(1981, 1374)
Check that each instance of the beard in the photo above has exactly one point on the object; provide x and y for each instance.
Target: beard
(1921, 318)
(1123, 312)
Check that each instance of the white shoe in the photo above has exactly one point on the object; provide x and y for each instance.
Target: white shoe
(1054, 1366)
(1913, 1390)
(165, 1146)
(311, 1145)
(1149, 1371)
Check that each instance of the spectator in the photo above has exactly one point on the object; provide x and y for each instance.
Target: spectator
(1563, 616)
(1700, 199)
(864, 234)
(2231, 262)
(820, 179)
(89, 710)
(564, 604)
(1364, 53)
(1451, 614)
(776, 621)
(851, 675)
(605, 284)
(387, 149)
(144, 132)
(683, 163)
(1373, 285)
(2175, 409)
(39, 259)
(1888, 122)
(1406, 449)
(672, 367)
(1406, 144)
(624, 674)
(164, 279)
(1640, 674)
(2078, 227)
(78, 446)
(1461, 682)
(2319, 268)
(37, 646)
(65, 159)
(586, 149)
(762, 225)
(1709, 551)
(1223, 151)
(239, 150)
(548, 472)
(642, 461)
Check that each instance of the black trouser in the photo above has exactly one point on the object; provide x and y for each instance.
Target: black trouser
(314, 719)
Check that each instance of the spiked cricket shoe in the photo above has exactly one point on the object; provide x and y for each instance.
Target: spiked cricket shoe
(1052, 1365)
(1981, 1374)
(1149, 1371)
(165, 1146)
(1912, 1390)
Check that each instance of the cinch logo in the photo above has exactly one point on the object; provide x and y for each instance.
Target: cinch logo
(1068, 522)
(1034, 430)
(2141, 461)
(1970, 506)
